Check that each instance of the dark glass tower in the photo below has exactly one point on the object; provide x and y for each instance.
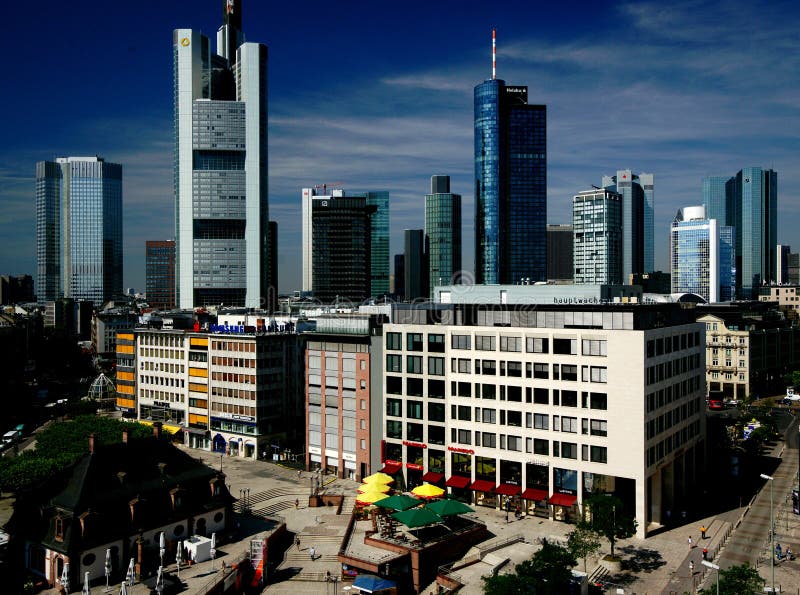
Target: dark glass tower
(510, 185)
(160, 273)
(443, 233)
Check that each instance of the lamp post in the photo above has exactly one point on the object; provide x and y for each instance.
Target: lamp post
(714, 567)
(771, 529)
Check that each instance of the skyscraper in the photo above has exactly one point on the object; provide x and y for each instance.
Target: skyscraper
(272, 284)
(510, 184)
(160, 273)
(378, 282)
(221, 194)
(751, 208)
(638, 207)
(782, 253)
(78, 229)
(415, 265)
(559, 253)
(443, 233)
(702, 256)
(597, 250)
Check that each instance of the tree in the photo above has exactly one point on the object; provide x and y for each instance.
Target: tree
(738, 580)
(582, 543)
(608, 518)
(546, 573)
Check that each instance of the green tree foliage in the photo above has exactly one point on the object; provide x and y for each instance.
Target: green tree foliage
(608, 518)
(583, 543)
(546, 573)
(60, 445)
(737, 580)
(792, 379)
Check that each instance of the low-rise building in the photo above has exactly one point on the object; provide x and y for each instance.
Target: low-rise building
(786, 296)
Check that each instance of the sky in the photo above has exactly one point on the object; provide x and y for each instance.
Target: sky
(379, 96)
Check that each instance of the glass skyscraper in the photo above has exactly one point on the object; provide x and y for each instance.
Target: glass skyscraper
(702, 256)
(443, 233)
(510, 185)
(750, 206)
(221, 194)
(379, 235)
(597, 232)
(638, 208)
(79, 229)
(160, 273)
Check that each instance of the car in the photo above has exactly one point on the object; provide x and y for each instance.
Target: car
(791, 399)
(715, 404)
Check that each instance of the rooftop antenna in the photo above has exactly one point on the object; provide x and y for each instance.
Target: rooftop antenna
(494, 54)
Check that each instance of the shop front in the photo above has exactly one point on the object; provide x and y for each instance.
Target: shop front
(565, 495)
(537, 489)
(415, 459)
(484, 484)
(534, 502)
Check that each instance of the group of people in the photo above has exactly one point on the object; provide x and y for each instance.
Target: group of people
(781, 555)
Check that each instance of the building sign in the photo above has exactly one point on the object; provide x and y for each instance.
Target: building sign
(346, 456)
(391, 462)
(314, 450)
(414, 466)
(578, 300)
(236, 329)
(466, 451)
(417, 444)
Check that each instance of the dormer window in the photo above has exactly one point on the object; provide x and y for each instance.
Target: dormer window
(58, 529)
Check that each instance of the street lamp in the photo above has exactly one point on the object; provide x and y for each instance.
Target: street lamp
(771, 528)
(714, 567)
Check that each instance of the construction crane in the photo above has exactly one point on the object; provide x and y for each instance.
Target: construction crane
(327, 185)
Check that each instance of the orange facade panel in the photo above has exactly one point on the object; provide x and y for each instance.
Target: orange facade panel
(127, 403)
(127, 390)
(199, 341)
(198, 388)
(198, 419)
(198, 372)
(124, 336)
(124, 348)
(126, 376)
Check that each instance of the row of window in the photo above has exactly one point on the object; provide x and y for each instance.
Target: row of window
(161, 367)
(231, 377)
(161, 381)
(673, 442)
(664, 345)
(540, 446)
(668, 419)
(232, 409)
(234, 362)
(233, 393)
(674, 392)
(435, 344)
(161, 340)
(160, 353)
(242, 346)
(666, 370)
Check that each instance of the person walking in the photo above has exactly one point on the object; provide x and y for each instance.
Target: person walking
(297, 543)
(703, 532)
(689, 541)
(313, 553)
(705, 553)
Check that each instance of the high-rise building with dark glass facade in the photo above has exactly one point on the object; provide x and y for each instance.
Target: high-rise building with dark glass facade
(510, 185)
(79, 229)
(638, 207)
(559, 253)
(221, 195)
(443, 233)
(750, 206)
(160, 273)
(415, 265)
(379, 238)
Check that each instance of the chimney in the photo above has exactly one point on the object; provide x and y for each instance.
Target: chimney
(125, 435)
(92, 439)
(157, 429)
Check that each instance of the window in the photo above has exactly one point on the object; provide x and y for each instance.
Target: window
(414, 364)
(569, 424)
(569, 372)
(514, 418)
(414, 341)
(599, 374)
(565, 346)
(599, 427)
(436, 389)
(569, 398)
(464, 389)
(536, 345)
(415, 432)
(514, 443)
(394, 363)
(514, 369)
(569, 450)
(435, 412)
(594, 347)
(414, 387)
(436, 366)
(488, 416)
(460, 342)
(394, 385)
(464, 437)
(599, 454)
(461, 365)
(541, 371)
(488, 440)
(436, 434)
(514, 394)
(541, 396)
(394, 341)
(488, 391)
(598, 401)
(488, 367)
(464, 413)
(485, 342)
(394, 407)
(436, 343)
(414, 409)
(541, 421)
(541, 447)
(511, 344)
(394, 429)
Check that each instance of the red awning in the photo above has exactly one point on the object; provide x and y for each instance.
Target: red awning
(507, 489)
(391, 468)
(534, 494)
(433, 477)
(563, 499)
(456, 481)
(481, 485)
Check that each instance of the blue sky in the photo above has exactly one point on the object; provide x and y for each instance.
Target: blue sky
(379, 96)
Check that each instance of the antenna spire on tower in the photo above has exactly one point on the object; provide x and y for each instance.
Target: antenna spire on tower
(494, 54)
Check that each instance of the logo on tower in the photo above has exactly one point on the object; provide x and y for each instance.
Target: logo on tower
(185, 41)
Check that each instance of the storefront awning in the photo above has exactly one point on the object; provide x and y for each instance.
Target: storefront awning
(433, 477)
(507, 489)
(456, 481)
(391, 468)
(562, 499)
(534, 494)
(481, 485)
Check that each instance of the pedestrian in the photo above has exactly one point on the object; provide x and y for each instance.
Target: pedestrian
(689, 541)
(299, 474)
(313, 553)
(779, 551)
(691, 568)
(297, 543)
(705, 553)
(703, 532)
(297, 503)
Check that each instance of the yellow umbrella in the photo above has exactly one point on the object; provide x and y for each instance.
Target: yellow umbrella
(370, 497)
(373, 487)
(379, 478)
(427, 490)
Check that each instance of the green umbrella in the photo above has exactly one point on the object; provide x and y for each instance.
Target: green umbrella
(448, 507)
(417, 517)
(399, 502)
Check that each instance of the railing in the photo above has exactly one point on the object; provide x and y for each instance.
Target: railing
(497, 543)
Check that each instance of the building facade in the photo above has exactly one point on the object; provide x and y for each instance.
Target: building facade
(597, 237)
(702, 258)
(510, 185)
(559, 403)
(443, 232)
(79, 229)
(786, 296)
(379, 242)
(160, 274)
(638, 207)
(415, 265)
(16, 289)
(221, 193)
(560, 264)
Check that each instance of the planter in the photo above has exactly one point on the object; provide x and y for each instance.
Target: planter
(613, 565)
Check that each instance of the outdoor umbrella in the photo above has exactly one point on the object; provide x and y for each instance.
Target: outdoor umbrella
(378, 477)
(85, 590)
(369, 583)
(373, 487)
(370, 497)
(448, 507)
(65, 577)
(179, 556)
(161, 548)
(131, 576)
(123, 588)
(160, 580)
(213, 548)
(107, 567)
(427, 490)
(399, 502)
(417, 517)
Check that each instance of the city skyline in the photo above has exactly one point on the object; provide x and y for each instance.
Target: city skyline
(693, 115)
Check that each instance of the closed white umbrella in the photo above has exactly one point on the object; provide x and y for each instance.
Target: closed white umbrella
(85, 590)
(160, 580)
(108, 566)
(213, 548)
(123, 588)
(161, 546)
(179, 557)
(131, 572)
(65, 577)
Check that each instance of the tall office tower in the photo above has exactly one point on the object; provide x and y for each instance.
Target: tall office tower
(221, 194)
(400, 276)
(751, 208)
(782, 264)
(637, 219)
(415, 264)
(702, 256)
(160, 273)
(597, 248)
(510, 184)
(272, 296)
(443, 233)
(378, 239)
(559, 253)
(78, 229)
